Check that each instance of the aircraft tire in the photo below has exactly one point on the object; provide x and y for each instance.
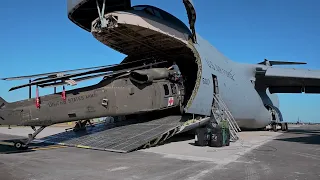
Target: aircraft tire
(274, 127)
(20, 146)
(228, 138)
(283, 127)
(286, 126)
(181, 108)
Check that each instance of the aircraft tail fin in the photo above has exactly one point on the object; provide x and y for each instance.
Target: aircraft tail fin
(2, 102)
(274, 62)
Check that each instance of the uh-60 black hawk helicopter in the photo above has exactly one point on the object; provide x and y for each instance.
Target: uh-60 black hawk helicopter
(131, 88)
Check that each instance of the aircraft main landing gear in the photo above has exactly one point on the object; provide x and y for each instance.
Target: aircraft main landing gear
(277, 126)
(81, 125)
(23, 144)
(284, 126)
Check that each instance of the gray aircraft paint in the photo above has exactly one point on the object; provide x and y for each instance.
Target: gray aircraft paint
(235, 88)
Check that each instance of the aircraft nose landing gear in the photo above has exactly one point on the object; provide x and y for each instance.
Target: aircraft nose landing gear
(23, 144)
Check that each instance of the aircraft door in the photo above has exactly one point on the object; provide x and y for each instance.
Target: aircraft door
(169, 95)
(215, 87)
(165, 95)
(132, 99)
(157, 96)
(215, 84)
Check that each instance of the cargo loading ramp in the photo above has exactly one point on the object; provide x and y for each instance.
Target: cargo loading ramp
(123, 137)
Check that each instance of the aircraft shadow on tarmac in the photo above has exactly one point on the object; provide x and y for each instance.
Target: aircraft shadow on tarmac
(181, 137)
(5, 149)
(7, 145)
(302, 135)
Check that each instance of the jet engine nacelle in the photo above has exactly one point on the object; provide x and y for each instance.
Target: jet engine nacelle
(148, 75)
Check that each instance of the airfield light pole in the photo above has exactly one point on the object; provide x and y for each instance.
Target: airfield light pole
(55, 88)
(29, 89)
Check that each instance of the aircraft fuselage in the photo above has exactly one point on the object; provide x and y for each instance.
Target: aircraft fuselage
(236, 86)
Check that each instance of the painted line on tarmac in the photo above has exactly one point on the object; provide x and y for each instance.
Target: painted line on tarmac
(49, 147)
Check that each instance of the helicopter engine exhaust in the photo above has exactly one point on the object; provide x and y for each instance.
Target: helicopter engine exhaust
(149, 75)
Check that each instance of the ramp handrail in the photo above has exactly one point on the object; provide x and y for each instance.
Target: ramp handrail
(234, 128)
(228, 112)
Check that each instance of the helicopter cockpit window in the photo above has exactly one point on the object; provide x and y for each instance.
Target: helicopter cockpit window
(138, 8)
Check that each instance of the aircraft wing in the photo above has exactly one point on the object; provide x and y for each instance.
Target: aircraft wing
(288, 80)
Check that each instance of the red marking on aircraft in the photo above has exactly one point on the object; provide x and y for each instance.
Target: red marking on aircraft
(170, 101)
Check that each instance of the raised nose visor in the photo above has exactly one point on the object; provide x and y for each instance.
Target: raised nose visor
(83, 12)
(137, 30)
(142, 31)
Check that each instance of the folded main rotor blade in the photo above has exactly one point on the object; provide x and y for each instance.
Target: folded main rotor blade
(54, 74)
(51, 73)
(83, 79)
(78, 79)
(42, 83)
(48, 77)
(109, 74)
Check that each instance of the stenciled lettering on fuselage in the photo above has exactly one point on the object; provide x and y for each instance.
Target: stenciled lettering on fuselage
(15, 113)
(71, 100)
(215, 67)
(206, 81)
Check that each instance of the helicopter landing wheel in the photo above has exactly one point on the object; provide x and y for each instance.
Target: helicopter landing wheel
(20, 145)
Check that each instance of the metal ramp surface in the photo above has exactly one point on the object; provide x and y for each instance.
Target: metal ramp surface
(121, 136)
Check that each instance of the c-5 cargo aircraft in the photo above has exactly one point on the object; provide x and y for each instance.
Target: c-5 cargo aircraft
(153, 39)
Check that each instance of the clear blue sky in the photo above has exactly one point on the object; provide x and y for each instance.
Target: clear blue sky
(36, 36)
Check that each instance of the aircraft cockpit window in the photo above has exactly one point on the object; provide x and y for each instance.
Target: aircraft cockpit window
(139, 8)
(157, 13)
(150, 11)
(166, 89)
(160, 14)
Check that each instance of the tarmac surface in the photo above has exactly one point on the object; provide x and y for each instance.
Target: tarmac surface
(260, 155)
